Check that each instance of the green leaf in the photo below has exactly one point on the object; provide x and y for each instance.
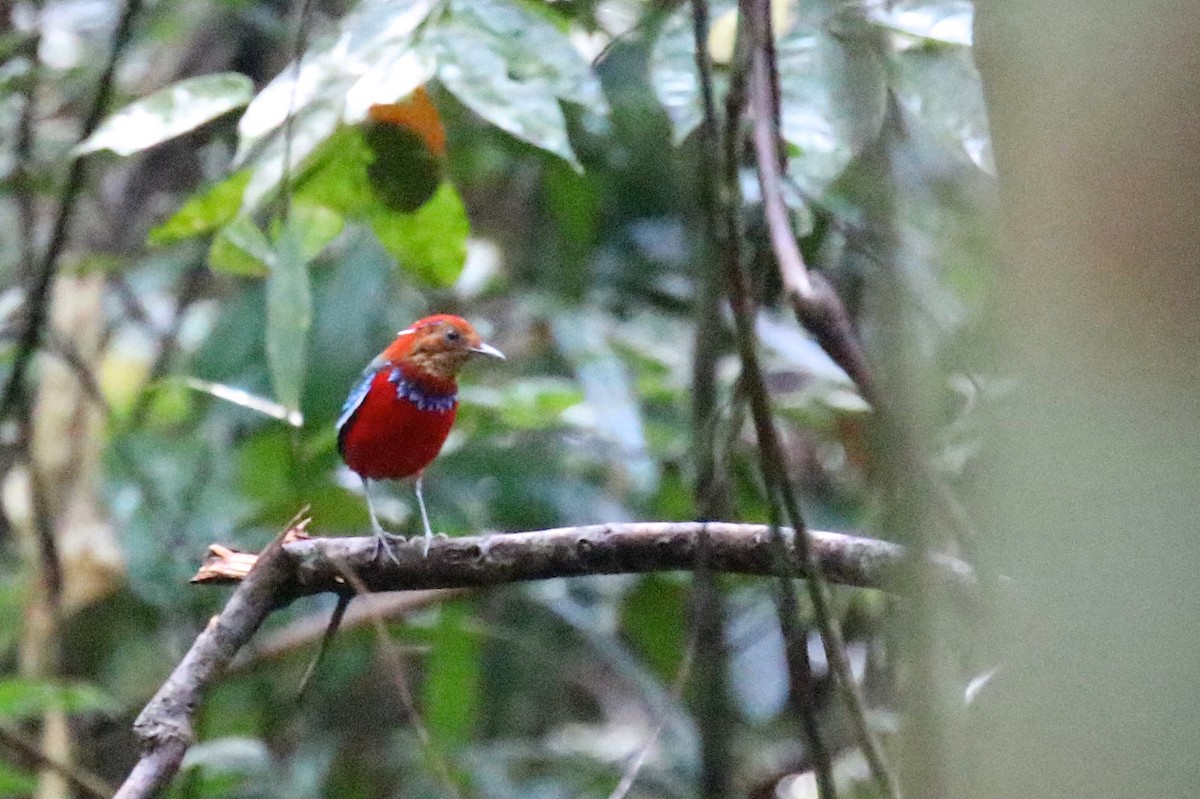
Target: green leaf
(430, 243)
(242, 249)
(25, 698)
(403, 172)
(316, 226)
(452, 684)
(832, 90)
(169, 112)
(337, 174)
(940, 86)
(289, 315)
(833, 102)
(673, 71)
(653, 618)
(512, 66)
(14, 782)
(204, 212)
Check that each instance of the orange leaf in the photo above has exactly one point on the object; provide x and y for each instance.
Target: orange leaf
(416, 113)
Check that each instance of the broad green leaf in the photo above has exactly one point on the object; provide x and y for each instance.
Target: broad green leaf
(25, 698)
(316, 226)
(14, 782)
(940, 86)
(673, 72)
(832, 90)
(241, 248)
(512, 66)
(336, 176)
(833, 101)
(289, 315)
(204, 212)
(370, 60)
(169, 112)
(431, 242)
(453, 677)
(653, 618)
(403, 172)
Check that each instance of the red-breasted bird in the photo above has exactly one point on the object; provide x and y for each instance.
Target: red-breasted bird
(399, 413)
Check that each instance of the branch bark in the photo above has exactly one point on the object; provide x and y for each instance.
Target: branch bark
(295, 565)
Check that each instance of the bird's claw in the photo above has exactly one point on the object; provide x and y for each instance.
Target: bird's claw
(385, 544)
(429, 540)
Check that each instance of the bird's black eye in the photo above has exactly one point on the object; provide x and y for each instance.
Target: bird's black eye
(452, 336)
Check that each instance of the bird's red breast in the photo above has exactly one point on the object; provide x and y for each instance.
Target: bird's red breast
(397, 417)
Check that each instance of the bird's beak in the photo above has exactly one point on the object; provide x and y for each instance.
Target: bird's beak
(488, 350)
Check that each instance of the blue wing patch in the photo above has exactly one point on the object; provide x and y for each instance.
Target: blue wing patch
(357, 395)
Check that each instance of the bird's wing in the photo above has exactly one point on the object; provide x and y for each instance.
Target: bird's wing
(357, 395)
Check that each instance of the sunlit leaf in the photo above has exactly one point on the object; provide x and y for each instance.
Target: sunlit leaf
(169, 112)
(512, 66)
(316, 227)
(289, 316)
(949, 21)
(336, 177)
(204, 212)
(371, 60)
(431, 242)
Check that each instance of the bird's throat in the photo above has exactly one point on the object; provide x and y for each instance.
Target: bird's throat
(427, 392)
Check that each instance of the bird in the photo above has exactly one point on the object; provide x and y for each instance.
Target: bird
(398, 414)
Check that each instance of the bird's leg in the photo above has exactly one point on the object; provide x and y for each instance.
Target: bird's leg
(383, 541)
(424, 515)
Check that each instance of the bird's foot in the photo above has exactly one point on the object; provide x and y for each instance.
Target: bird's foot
(385, 544)
(429, 537)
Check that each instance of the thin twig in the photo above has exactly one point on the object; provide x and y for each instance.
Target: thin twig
(815, 303)
(774, 464)
(396, 665)
(37, 295)
(639, 760)
(707, 602)
(796, 645)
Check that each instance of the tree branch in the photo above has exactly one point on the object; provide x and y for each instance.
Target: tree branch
(631, 548)
(815, 303)
(165, 724)
(295, 565)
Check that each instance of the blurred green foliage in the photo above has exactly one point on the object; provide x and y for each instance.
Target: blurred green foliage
(564, 221)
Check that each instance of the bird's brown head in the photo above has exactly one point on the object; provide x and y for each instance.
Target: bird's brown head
(438, 346)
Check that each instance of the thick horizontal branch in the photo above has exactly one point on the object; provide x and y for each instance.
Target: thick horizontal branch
(597, 549)
(295, 565)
